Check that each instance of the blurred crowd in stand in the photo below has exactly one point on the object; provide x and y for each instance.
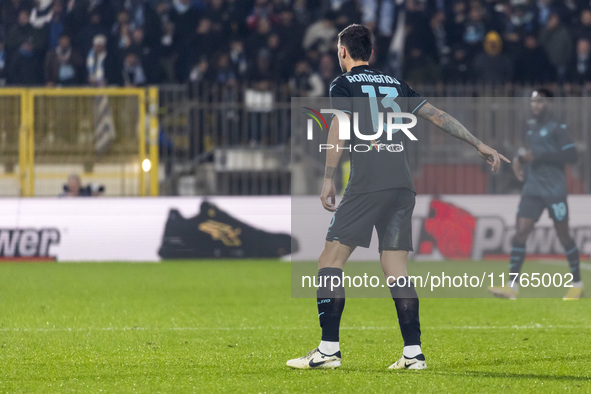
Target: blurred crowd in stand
(291, 42)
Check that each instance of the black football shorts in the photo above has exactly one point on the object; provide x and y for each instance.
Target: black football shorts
(389, 211)
(532, 207)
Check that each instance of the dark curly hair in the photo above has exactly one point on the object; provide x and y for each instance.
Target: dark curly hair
(358, 40)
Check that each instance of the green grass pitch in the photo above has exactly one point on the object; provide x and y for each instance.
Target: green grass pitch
(230, 326)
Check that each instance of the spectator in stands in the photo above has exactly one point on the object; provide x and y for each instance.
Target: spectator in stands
(262, 10)
(258, 40)
(302, 11)
(74, 188)
(557, 43)
(491, 66)
(328, 71)
(24, 68)
(86, 35)
(133, 71)
(236, 14)
(200, 71)
(584, 30)
(153, 35)
(314, 54)
(219, 18)
(10, 10)
(238, 58)
(380, 16)
(148, 57)
(290, 34)
(458, 68)
(122, 20)
(221, 25)
(305, 82)
(346, 13)
(322, 33)
(474, 29)
(187, 35)
(439, 34)
(580, 67)
(204, 42)
(532, 65)
(456, 24)
(518, 18)
(419, 68)
(184, 18)
(55, 27)
(282, 69)
(138, 42)
(225, 74)
(163, 42)
(104, 8)
(420, 36)
(260, 72)
(544, 10)
(99, 64)
(136, 11)
(20, 33)
(124, 37)
(63, 65)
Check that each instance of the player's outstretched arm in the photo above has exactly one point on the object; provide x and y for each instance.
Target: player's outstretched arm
(453, 127)
(333, 156)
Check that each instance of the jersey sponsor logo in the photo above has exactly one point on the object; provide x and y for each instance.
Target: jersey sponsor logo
(28, 244)
(452, 232)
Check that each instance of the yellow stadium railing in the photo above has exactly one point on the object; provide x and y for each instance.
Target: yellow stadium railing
(97, 132)
(12, 134)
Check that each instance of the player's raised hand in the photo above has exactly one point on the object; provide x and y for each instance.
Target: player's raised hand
(491, 156)
(327, 197)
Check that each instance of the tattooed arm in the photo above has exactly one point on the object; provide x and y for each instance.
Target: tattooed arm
(448, 123)
(453, 127)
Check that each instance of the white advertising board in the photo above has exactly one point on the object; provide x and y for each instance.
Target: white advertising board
(132, 229)
(114, 229)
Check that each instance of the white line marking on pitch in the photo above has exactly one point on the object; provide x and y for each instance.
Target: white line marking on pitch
(584, 266)
(514, 327)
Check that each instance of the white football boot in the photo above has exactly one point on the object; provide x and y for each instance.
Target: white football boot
(417, 362)
(315, 359)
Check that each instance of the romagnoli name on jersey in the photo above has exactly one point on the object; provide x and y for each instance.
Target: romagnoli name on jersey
(380, 78)
(369, 93)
